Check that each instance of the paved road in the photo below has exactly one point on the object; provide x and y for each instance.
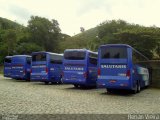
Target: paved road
(20, 97)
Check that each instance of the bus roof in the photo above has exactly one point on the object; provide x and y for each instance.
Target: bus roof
(46, 53)
(120, 45)
(8, 56)
(81, 50)
(21, 56)
(124, 45)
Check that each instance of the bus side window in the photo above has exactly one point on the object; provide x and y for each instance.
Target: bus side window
(138, 59)
(93, 58)
(28, 60)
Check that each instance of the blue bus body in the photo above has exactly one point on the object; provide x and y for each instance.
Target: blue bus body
(80, 67)
(46, 67)
(21, 65)
(7, 66)
(121, 67)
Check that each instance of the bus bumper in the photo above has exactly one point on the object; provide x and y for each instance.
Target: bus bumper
(77, 82)
(114, 82)
(39, 77)
(7, 75)
(18, 76)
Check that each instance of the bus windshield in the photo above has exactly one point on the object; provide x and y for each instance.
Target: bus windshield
(39, 57)
(7, 60)
(18, 59)
(113, 53)
(75, 55)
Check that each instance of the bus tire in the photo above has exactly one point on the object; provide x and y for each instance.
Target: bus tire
(76, 86)
(46, 83)
(61, 81)
(135, 91)
(109, 90)
(138, 87)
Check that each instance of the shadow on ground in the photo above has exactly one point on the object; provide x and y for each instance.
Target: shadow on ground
(124, 93)
(80, 88)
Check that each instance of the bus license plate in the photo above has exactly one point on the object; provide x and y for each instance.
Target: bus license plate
(113, 81)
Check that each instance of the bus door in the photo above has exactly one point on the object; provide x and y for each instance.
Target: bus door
(7, 67)
(28, 67)
(55, 67)
(92, 68)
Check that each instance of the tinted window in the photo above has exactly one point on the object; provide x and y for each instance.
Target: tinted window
(56, 59)
(93, 58)
(75, 55)
(18, 59)
(39, 57)
(7, 60)
(113, 52)
(139, 59)
(28, 60)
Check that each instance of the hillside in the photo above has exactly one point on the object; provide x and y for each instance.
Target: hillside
(85, 39)
(42, 34)
(8, 24)
(144, 39)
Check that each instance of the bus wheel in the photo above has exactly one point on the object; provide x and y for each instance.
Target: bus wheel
(83, 86)
(109, 90)
(61, 81)
(138, 87)
(135, 91)
(76, 86)
(46, 83)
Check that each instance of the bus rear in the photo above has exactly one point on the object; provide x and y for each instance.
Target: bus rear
(39, 67)
(7, 66)
(75, 67)
(114, 67)
(21, 67)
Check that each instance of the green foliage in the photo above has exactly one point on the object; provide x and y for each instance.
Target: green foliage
(1, 69)
(144, 39)
(87, 39)
(44, 32)
(7, 24)
(40, 35)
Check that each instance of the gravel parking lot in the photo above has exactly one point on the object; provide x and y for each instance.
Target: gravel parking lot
(20, 97)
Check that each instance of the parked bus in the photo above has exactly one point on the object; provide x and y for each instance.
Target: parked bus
(122, 67)
(46, 67)
(7, 66)
(80, 67)
(21, 65)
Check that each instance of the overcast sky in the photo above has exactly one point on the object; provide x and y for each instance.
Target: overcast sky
(73, 14)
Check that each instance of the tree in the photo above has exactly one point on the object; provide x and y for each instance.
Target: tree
(82, 29)
(44, 32)
(9, 41)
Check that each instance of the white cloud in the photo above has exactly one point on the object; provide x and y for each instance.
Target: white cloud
(73, 14)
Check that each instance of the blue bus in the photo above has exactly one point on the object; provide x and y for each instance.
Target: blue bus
(21, 65)
(122, 67)
(7, 66)
(46, 67)
(80, 67)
